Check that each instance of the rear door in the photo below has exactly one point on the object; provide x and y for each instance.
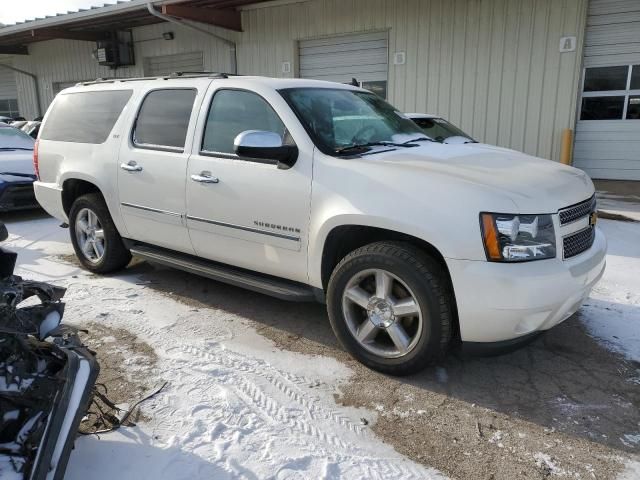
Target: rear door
(153, 163)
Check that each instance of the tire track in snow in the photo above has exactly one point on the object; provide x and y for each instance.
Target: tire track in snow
(274, 401)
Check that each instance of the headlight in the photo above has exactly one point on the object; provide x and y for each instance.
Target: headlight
(517, 238)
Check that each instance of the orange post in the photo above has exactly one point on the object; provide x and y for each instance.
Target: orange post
(566, 147)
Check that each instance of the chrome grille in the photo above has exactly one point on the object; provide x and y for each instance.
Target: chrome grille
(576, 212)
(578, 242)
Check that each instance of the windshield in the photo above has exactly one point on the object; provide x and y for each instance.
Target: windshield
(439, 129)
(337, 119)
(14, 139)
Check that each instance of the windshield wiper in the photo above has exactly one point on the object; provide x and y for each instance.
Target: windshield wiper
(6, 149)
(363, 146)
(419, 139)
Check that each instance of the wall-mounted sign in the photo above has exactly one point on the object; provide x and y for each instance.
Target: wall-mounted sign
(399, 58)
(567, 44)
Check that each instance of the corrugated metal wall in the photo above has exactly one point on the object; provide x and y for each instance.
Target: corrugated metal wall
(491, 66)
(61, 61)
(8, 88)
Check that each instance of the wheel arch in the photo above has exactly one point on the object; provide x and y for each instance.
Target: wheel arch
(74, 186)
(343, 239)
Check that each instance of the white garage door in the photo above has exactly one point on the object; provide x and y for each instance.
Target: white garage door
(8, 93)
(166, 64)
(608, 130)
(342, 58)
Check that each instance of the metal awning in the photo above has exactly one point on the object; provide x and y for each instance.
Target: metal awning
(97, 22)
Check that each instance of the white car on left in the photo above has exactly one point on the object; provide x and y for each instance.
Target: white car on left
(17, 172)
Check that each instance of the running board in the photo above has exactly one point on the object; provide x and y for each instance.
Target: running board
(258, 282)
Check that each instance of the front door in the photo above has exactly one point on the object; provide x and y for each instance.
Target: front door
(153, 165)
(244, 212)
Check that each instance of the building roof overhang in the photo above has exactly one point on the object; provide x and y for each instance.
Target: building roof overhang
(96, 23)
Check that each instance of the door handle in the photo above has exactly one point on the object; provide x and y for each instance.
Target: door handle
(204, 177)
(131, 167)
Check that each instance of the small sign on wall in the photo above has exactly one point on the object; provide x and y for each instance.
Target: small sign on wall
(567, 44)
(399, 58)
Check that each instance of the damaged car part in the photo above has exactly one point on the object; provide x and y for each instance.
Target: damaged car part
(46, 377)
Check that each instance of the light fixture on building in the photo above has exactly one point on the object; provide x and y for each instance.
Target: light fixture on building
(168, 35)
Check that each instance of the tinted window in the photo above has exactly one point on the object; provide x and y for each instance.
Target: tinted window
(233, 112)
(606, 78)
(163, 119)
(602, 108)
(85, 117)
(635, 78)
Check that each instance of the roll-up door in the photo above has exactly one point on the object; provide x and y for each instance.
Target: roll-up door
(607, 142)
(166, 64)
(345, 57)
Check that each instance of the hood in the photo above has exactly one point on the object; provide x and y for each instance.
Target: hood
(534, 184)
(16, 161)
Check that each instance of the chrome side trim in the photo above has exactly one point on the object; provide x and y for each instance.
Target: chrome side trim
(149, 209)
(246, 229)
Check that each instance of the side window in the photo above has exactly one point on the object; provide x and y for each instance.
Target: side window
(163, 119)
(233, 112)
(84, 117)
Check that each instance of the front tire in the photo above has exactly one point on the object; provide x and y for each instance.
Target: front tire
(390, 307)
(94, 236)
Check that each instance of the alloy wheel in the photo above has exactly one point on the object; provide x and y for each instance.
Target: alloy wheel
(382, 313)
(90, 235)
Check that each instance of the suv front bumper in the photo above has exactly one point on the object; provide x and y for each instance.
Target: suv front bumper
(500, 302)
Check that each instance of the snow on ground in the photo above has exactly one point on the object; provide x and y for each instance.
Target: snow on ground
(234, 406)
(237, 407)
(612, 314)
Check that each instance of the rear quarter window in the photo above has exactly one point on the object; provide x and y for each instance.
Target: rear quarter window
(84, 117)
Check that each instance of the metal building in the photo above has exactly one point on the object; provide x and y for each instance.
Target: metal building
(510, 72)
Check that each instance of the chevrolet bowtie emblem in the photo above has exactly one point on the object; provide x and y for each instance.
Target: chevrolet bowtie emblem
(593, 219)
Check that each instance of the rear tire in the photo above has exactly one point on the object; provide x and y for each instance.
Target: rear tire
(94, 236)
(390, 306)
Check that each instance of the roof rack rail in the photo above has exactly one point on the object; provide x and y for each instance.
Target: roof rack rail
(202, 74)
(172, 75)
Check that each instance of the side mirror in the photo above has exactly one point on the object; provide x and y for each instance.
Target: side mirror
(3, 232)
(264, 145)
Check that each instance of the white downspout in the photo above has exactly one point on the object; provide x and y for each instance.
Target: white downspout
(177, 21)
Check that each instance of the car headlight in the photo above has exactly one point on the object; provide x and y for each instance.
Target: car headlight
(517, 238)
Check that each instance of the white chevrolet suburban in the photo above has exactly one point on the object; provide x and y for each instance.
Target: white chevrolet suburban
(312, 190)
